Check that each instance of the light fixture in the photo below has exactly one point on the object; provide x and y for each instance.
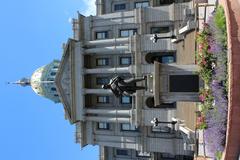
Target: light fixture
(155, 38)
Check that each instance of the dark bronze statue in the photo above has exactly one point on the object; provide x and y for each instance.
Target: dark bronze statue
(121, 87)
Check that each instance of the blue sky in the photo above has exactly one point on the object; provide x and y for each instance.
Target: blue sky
(31, 35)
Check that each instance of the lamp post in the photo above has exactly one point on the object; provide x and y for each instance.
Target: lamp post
(155, 38)
(156, 122)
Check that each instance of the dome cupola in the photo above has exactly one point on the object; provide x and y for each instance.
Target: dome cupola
(42, 81)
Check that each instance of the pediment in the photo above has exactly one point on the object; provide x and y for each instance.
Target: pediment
(63, 80)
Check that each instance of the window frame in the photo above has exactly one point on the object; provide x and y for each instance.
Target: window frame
(129, 58)
(130, 100)
(120, 7)
(101, 32)
(134, 30)
(106, 126)
(105, 60)
(135, 4)
(106, 99)
(130, 127)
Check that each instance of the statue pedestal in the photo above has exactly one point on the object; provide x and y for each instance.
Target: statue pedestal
(173, 82)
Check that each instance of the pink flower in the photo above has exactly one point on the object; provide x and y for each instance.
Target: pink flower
(204, 61)
(202, 98)
(201, 119)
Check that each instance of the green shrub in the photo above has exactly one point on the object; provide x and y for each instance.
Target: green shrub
(220, 22)
(220, 19)
(219, 155)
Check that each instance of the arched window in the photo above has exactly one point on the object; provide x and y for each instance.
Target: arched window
(150, 102)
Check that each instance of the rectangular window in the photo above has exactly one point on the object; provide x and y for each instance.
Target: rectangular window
(127, 127)
(122, 152)
(102, 80)
(119, 7)
(126, 100)
(141, 4)
(102, 35)
(127, 32)
(157, 30)
(103, 125)
(125, 60)
(103, 99)
(102, 61)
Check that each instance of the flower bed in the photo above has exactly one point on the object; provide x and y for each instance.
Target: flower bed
(212, 59)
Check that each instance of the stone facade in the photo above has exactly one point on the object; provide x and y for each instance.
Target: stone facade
(117, 42)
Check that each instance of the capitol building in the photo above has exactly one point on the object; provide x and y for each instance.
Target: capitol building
(118, 41)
